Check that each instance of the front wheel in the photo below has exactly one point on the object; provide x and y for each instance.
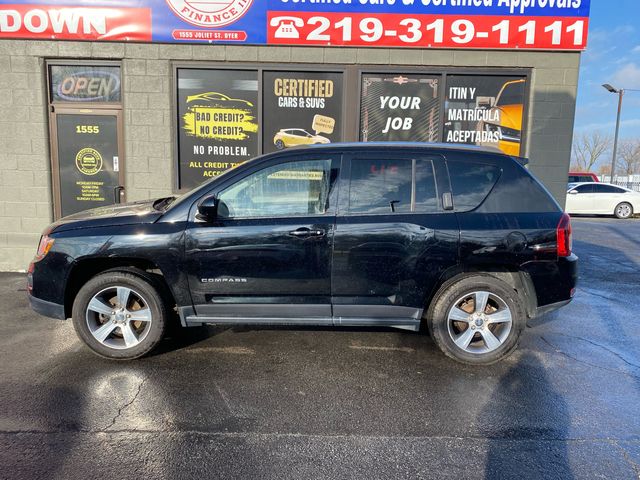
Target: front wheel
(120, 315)
(623, 210)
(476, 319)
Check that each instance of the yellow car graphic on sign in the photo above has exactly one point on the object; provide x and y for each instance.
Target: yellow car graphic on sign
(508, 106)
(290, 137)
(219, 100)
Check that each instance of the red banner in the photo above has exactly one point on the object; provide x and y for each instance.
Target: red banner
(433, 31)
(75, 23)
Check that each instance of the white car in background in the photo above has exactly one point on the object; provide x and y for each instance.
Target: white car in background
(592, 198)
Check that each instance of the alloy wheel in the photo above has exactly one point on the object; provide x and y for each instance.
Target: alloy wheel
(479, 322)
(119, 317)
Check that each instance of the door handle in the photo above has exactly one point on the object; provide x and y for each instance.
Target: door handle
(305, 232)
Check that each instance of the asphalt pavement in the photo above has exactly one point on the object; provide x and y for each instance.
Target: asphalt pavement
(276, 403)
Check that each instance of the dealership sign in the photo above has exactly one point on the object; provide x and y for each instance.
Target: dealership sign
(488, 24)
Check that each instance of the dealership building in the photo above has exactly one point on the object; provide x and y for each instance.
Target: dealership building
(148, 98)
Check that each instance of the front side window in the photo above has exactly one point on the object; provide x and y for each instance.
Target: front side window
(588, 188)
(289, 189)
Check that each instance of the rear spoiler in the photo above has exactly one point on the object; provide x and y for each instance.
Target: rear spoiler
(522, 161)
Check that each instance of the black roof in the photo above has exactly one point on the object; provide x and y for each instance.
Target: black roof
(433, 145)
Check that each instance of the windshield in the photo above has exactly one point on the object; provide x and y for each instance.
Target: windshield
(512, 94)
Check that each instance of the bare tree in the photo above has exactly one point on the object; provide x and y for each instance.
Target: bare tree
(588, 148)
(629, 156)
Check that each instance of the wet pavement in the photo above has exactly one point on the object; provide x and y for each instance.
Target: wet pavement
(328, 403)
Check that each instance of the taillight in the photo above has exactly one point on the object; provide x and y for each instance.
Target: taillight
(44, 246)
(563, 236)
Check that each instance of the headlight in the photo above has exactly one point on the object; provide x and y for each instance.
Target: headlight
(46, 242)
(508, 134)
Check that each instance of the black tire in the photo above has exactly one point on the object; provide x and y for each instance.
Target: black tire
(145, 290)
(279, 144)
(623, 210)
(464, 286)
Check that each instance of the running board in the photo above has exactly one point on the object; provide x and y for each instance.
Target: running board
(403, 323)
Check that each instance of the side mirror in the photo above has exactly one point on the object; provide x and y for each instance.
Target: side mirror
(573, 192)
(208, 208)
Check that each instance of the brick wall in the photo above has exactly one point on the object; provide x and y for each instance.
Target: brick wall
(25, 171)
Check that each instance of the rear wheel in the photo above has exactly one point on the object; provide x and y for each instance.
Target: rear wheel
(623, 210)
(120, 315)
(476, 319)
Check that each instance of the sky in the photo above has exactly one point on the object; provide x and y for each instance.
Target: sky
(612, 56)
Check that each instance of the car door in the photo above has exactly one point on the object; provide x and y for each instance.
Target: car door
(267, 256)
(581, 199)
(606, 198)
(393, 239)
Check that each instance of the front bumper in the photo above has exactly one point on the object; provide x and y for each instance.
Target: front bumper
(48, 309)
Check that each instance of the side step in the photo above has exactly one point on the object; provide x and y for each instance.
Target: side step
(411, 324)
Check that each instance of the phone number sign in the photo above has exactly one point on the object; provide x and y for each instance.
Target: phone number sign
(487, 24)
(428, 31)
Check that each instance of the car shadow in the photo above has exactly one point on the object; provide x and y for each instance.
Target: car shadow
(531, 436)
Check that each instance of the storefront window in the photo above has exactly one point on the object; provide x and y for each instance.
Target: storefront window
(399, 107)
(217, 122)
(485, 110)
(301, 108)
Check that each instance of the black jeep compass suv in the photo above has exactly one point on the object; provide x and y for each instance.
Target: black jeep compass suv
(462, 239)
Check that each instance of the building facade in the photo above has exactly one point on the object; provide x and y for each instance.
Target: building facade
(89, 123)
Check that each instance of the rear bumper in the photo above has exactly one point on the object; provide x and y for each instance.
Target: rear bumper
(48, 309)
(551, 307)
(554, 282)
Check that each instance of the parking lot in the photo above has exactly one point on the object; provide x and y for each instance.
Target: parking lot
(333, 403)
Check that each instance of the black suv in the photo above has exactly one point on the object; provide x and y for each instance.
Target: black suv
(461, 239)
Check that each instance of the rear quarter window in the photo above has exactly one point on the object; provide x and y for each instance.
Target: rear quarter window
(518, 191)
(471, 183)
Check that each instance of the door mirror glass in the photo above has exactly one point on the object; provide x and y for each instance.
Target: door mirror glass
(208, 208)
(573, 192)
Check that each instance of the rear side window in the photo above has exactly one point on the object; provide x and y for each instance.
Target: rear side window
(380, 186)
(471, 183)
(387, 186)
(580, 178)
(607, 189)
(518, 191)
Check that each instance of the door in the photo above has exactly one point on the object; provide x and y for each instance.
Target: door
(267, 257)
(607, 198)
(582, 201)
(393, 238)
(88, 155)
